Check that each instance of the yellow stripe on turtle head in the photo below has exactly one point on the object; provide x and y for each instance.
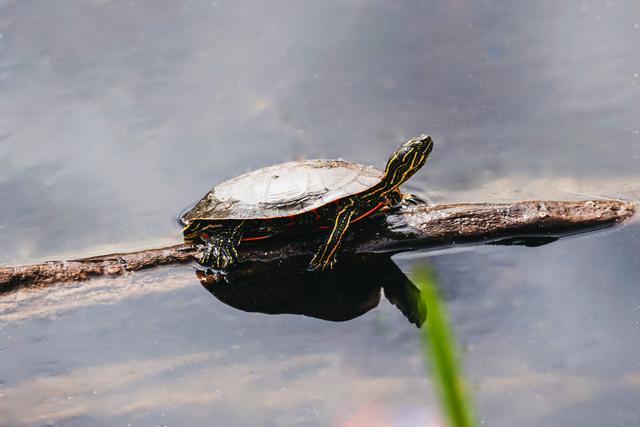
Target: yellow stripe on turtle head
(405, 161)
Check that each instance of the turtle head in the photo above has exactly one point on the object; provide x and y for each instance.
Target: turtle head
(406, 160)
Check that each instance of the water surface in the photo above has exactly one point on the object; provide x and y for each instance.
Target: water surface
(115, 116)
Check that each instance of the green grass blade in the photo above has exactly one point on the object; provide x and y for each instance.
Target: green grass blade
(440, 350)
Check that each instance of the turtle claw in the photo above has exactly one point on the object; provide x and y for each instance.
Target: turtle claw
(313, 268)
(317, 264)
(314, 265)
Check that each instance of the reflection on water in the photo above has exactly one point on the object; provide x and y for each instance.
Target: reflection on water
(547, 335)
(349, 291)
(115, 116)
(104, 103)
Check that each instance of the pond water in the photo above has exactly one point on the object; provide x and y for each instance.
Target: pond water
(115, 116)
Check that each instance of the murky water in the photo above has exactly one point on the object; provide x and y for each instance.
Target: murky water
(115, 116)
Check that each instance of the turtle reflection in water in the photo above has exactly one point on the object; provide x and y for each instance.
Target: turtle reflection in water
(298, 197)
(352, 290)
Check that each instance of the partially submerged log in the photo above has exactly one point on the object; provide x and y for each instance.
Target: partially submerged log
(404, 228)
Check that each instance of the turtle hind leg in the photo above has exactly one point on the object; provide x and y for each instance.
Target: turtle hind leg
(325, 257)
(221, 247)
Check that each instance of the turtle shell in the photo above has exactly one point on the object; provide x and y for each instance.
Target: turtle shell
(284, 190)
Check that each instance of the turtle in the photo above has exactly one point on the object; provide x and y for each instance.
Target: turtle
(298, 197)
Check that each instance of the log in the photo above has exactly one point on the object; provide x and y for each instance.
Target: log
(401, 228)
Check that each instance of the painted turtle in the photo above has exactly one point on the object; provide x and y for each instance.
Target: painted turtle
(298, 197)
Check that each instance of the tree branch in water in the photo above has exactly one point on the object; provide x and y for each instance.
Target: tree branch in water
(399, 229)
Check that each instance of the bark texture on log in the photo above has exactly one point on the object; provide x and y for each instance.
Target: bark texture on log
(403, 228)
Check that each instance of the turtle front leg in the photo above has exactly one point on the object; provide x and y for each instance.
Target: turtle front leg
(414, 199)
(221, 246)
(325, 257)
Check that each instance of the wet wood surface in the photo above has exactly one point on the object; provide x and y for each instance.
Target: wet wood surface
(400, 229)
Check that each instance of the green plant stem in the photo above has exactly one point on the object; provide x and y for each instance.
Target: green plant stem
(440, 350)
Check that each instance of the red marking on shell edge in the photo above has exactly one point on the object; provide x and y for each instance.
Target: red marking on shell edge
(248, 239)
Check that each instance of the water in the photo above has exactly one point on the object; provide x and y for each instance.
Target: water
(115, 116)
